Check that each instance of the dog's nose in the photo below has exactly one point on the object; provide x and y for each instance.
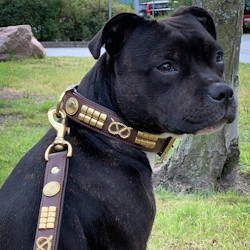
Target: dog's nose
(222, 93)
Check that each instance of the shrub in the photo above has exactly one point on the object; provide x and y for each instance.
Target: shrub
(42, 16)
(81, 20)
(65, 20)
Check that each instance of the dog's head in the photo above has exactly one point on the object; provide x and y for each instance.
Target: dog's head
(167, 74)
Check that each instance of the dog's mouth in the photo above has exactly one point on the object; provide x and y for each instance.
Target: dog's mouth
(213, 128)
(174, 131)
(207, 130)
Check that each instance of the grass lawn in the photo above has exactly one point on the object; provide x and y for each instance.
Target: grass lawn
(244, 117)
(30, 87)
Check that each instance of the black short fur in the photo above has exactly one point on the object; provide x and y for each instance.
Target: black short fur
(160, 77)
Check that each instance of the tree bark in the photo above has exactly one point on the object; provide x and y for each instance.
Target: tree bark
(208, 161)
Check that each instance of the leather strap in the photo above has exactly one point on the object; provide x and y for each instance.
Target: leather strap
(102, 120)
(50, 213)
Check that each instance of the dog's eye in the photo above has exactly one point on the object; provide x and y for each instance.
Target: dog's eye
(219, 57)
(166, 67)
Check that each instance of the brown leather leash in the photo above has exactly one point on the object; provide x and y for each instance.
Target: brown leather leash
(48, 228)
(99, 119)
(50, 213)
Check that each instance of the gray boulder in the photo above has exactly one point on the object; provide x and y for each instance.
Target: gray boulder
(18, 42)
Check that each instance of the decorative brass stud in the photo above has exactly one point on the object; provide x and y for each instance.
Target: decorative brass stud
(71, 106)
(84, 109)
(92, 117)
(52, 209)
(99, 125)
(90, 112)
(50, 226)
(51, 189)
(96, 114)
(146, 140)
(42, 226)
(86, 119)
(103, 117)
(55, 170)
(93, 122)
(51, 214)
(43, 220)
(42, 242)
(51, 219)
(120, 129)
(45, 209)
(44, 215)
(81, 116)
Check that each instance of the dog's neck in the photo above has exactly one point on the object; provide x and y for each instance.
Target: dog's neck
(101, 92)
(96, 85)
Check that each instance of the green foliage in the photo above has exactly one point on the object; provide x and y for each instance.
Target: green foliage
(42, 16)
(174, 4)
(65, 20)
(82, 19)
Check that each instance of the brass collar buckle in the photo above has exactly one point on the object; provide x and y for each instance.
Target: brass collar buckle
(59, 103)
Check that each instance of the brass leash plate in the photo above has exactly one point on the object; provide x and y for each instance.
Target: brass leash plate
(51, 189)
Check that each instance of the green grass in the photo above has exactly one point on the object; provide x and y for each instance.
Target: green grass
(15, 143)
(212, 221)
(195, 221)
(47, 76)
(38, 83)
(29, 111)
(244, 117)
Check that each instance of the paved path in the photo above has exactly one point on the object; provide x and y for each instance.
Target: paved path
(84, 52)
(78, 52)
(245, 49)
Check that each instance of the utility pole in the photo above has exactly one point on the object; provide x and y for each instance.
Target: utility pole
(110, 9)
(153, 9)
(136, 6)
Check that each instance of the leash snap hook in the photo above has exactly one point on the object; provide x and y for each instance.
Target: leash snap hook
(61, 129)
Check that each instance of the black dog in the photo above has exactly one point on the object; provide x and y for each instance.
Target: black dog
(162, 77)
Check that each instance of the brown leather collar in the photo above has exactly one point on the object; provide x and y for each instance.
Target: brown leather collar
(102, 120)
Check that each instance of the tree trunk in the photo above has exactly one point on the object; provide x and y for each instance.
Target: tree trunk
(208, 161)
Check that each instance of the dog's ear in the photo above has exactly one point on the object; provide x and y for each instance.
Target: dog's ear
(114, 34)
(201, 15)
